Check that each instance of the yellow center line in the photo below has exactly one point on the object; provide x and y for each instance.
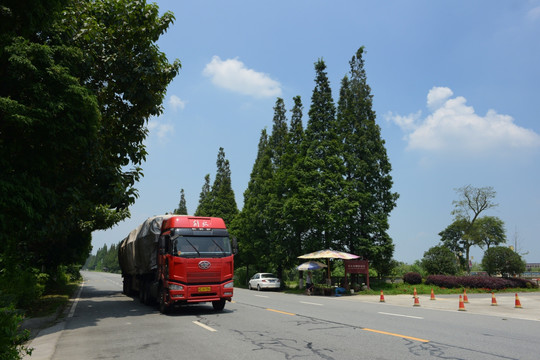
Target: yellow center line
(398, 335)
(281, 312)
(366, 329)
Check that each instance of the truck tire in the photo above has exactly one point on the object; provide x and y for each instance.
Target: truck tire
(127, 286)
(162, 302)
(218, 305)
(141, 292)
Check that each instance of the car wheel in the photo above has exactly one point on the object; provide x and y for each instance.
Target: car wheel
(258, 287)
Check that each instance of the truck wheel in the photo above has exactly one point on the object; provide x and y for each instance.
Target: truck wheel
(127, 286)
(218, 305)
(163, 303)
(145, 288)
(141, 292)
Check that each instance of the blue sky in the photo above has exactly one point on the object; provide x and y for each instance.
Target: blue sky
(456, 88)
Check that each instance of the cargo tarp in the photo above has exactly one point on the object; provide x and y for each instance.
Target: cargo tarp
(138, 251)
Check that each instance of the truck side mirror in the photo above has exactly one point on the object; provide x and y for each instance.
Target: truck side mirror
(161, 245)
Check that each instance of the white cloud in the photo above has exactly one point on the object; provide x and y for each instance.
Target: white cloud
(437, 96)
(232, 74)
(162, 130)
(453, 126)
(534, 13)
(177, 103)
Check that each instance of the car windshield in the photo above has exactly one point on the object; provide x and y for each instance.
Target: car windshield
(267, 276)
(201, 246)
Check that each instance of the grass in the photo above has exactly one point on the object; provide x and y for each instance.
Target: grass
(51, 302)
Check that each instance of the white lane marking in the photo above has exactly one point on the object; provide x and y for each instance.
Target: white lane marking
(72, 310)
(310, 303)
(204, 326)
(263, 296)
(407, 316)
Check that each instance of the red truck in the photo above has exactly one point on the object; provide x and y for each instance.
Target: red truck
(176, 260)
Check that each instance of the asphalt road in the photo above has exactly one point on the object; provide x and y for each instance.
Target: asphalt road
(104, 324)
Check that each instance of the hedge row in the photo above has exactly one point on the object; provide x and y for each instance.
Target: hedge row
(478, 282)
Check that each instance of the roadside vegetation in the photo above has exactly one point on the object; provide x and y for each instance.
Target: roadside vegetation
(75, 103)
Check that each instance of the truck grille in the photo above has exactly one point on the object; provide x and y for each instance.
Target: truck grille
(203, 277)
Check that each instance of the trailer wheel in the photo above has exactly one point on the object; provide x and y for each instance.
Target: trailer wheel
(218, 305)
(141, 292)
(127, 286)
(147, 299)
(163, 300)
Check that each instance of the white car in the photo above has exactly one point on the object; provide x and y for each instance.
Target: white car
(261, 281)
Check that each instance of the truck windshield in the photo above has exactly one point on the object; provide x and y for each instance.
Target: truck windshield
(201, 246)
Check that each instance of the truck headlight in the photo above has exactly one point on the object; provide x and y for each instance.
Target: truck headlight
(228, 285)
(176, 287)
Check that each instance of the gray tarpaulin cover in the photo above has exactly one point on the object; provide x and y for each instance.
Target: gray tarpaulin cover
(137, 252)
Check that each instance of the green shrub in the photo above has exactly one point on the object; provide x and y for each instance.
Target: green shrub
(412, 278)
(24, 286)
(240, 276)
(11, 338)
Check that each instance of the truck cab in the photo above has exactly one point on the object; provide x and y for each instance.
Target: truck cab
(195, 262)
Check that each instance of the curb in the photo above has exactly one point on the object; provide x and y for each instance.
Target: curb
(46, 331)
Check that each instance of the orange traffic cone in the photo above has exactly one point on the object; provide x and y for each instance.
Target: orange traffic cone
(461, 304)
(382, 297)
(518, 303)
(415, 295)
(432, 295)
(416, 301)
(493, 300)
(465, 298)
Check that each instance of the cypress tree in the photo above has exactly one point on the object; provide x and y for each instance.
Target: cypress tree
(292, 208)
(368, 199)
(274, 209)
(223, 202)
(250, 226)
(321, 166)
(182, 206)
(203, 209)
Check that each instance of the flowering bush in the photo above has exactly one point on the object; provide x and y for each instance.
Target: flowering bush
(478, 282)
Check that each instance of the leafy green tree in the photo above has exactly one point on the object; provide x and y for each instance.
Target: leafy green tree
(488, 231)
(440, 260)
(454, 238)
(74, 102)
(467, 209)
(367, 199)
(182, 206)
(502, 260)
(49, 120)
(106, 259)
